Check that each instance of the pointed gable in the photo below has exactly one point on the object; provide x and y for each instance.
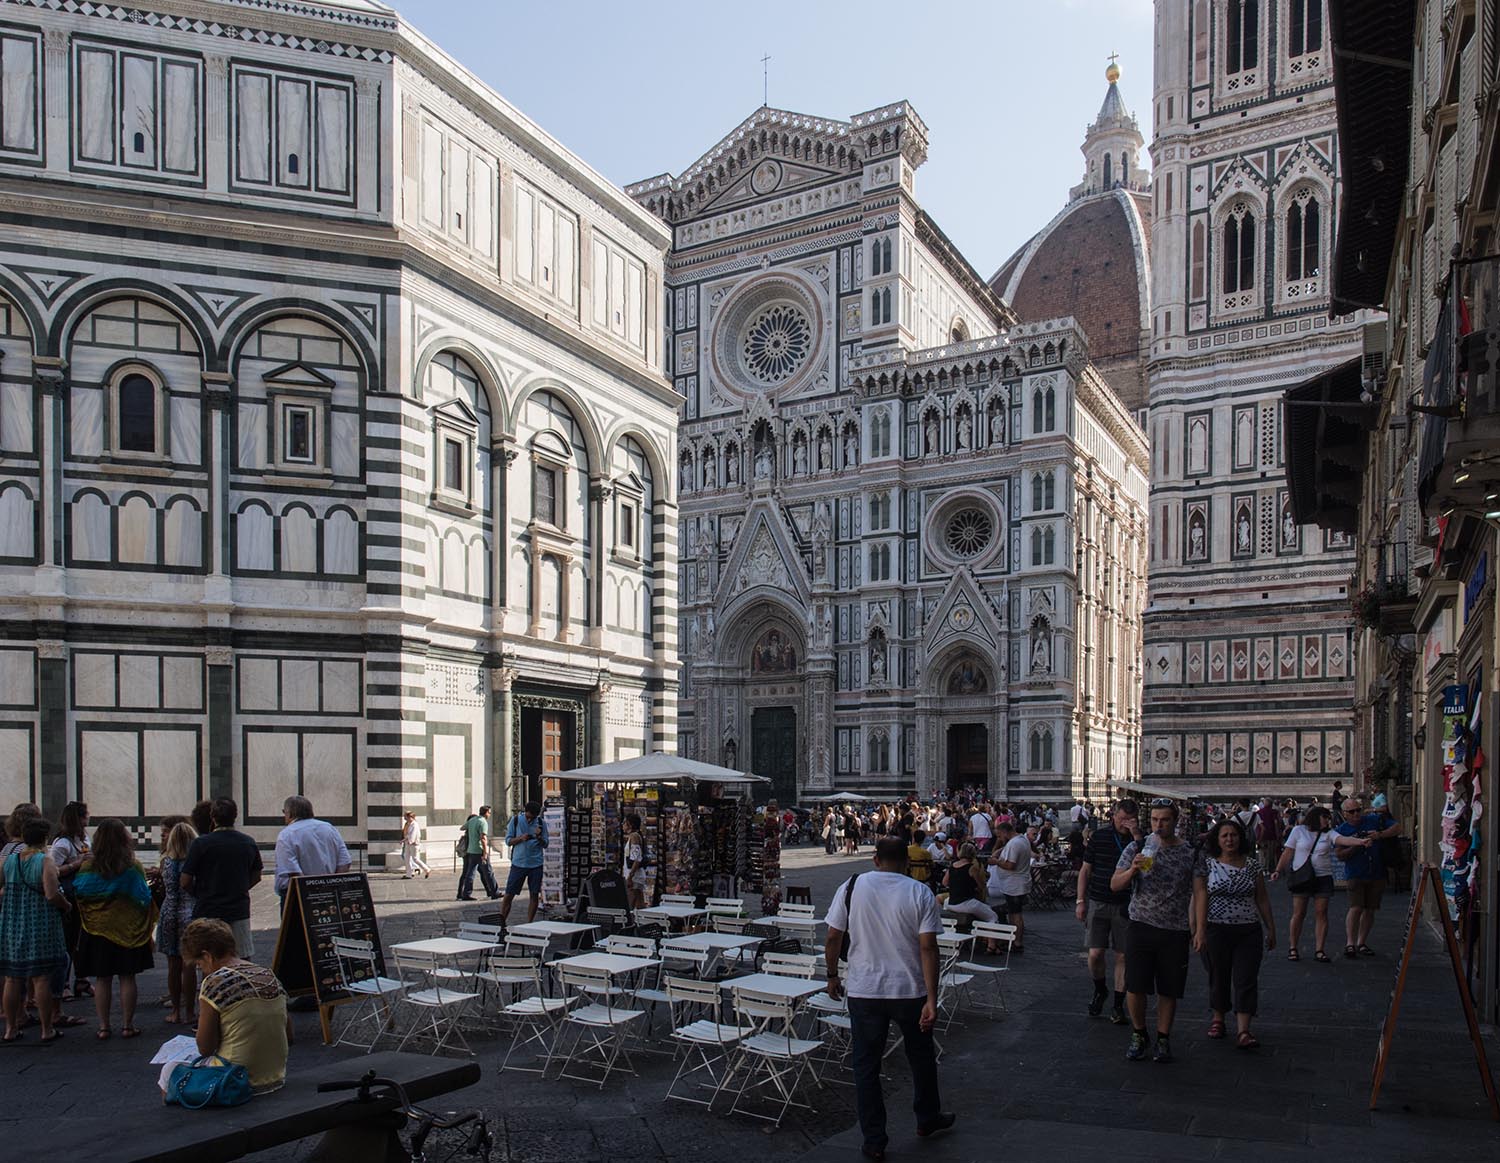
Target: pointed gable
(963, 613)
(764, 554)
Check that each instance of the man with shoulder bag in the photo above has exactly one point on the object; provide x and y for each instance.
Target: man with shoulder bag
(890, 924)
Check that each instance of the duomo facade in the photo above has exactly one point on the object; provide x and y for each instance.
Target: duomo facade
(912, 531)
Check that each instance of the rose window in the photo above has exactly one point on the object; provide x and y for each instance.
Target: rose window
(776, 342)
(968, 533)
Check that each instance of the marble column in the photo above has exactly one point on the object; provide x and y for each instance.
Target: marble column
(503, 789)
(599, 494)
(594, 739)
(49, 376)
(220, 661)
(52, 702)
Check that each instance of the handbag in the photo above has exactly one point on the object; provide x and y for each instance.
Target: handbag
(848, 896)
(1301, 877)
(207, 1081)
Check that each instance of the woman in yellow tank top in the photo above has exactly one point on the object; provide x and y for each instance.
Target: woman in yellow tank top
(242, 1012)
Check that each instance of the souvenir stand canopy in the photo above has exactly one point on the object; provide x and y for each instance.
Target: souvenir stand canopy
(698, 821)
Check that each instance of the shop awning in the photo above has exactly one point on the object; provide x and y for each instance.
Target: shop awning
(1327, 429)
(1373, 42)
(658, 767)
(1150, 791)
(1220, 789)
(843, 797)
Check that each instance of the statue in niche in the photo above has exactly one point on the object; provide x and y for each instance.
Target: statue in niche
(1041, 650)
(763, 461)
(877, 667)
(1242, 533)
(968, 679)
(965, 430)
(799, 456)
(997, 425)
(731, 466)
(851, 449)
(1195, 538)
(1288, 529)
(822, 533)
(685, 476)
(710, 472)
(932, 437)
(825, 451)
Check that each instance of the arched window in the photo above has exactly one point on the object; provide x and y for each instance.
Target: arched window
(1041, 749)
(1043, 492)
(1049, 547)
(1199, 262)
(1239, 250)
(1306, 32)
(880, 751)
(880, 433)
(1108, 171)
(1125, 171)
(880, 511)
(1242, 35)
(135, 424)
(874, 308)
(1200, 42)
(1302, 257)
(880, 563)
(885, 305)
(1044, 410)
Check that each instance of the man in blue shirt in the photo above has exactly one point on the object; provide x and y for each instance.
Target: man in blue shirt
(1356, 841)
(527, 837)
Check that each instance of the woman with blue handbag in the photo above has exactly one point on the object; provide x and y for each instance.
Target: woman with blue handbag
(242, 1017)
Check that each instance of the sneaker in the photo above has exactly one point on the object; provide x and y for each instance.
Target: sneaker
(1117, 1016)
(1163, 1051)
(1139, 1044)
(1096, 1006)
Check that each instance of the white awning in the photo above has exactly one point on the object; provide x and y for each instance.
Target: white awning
(658, 767)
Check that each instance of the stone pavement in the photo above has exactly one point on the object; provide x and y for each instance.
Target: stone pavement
(1033, 1083)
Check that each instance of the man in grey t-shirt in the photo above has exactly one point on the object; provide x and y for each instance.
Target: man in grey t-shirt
(1159, 873)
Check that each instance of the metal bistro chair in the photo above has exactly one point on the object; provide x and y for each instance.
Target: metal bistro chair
(359, 974)
(439, 1008)
(796, 894)
(725, 906)
(705, 1041)
(988, 996)
(610, 920)
(535, 1015)
(772, 1058)
(602, 1021)
(803, 965)
(491, 935)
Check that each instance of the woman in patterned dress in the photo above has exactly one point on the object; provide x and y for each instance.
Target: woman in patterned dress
(31, 932)
(241, 1007)
(1234, 924)
(176, 912)
(117, 916)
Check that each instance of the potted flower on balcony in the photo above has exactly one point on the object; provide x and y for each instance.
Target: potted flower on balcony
(1364, 604)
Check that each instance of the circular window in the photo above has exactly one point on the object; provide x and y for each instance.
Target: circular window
(968, 532)
(775, 343)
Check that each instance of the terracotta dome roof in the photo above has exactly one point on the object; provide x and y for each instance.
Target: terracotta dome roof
(1093, 262)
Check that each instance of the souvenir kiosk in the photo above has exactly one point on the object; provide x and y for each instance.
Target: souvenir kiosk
(698, 820)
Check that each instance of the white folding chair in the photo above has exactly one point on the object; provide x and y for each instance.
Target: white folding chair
(359, 974)
(952, 982)
(439, 1009)
(772, 1058)
(533, 1014)
(725, 906)
(472, 931)
(988, 994)
(797, 911)
(596, 1017)
(705, 1041)
(686, 899)
(803, 965)
(609, 919)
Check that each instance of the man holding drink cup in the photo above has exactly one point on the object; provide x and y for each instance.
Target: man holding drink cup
(1158, 871)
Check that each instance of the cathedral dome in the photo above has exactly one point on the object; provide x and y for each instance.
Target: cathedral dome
(1093, 261)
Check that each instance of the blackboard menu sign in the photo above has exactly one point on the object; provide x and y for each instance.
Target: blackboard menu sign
(319, 908)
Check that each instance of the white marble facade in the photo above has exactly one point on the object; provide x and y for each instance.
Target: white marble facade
(333, 449)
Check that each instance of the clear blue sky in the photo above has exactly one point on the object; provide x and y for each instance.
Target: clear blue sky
(1006, 87)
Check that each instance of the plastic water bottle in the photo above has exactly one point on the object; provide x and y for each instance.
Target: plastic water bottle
(1149, 850)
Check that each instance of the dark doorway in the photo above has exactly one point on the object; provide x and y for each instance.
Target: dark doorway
(968, 755)
(546, 744)
(773, 752)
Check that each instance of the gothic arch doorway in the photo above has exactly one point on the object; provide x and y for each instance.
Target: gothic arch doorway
(763, 704)
(962, 720)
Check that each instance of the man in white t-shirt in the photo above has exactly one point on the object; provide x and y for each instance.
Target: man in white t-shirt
(981, 829)
(1010, 879)
(893, 923)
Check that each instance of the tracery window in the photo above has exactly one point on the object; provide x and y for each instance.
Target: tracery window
(1239, 251)
(880, 306)
(880, 433)
(1199, 259)
(1242, 35)
(1044, 410)
(1041, 749)
(880, 562)
(880, 750)
(1305, 34)
(880, 257)
(1043, 547)
(1043, 492)
(880, 511)
(1302, 237)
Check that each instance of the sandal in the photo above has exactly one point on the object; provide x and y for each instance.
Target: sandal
(1323, 957)
(1247, 1041)
(1350, 951)
(129, 1032)
(102, 1034)
(1293, 955)
(48, 1039)
(1216, 1028)
(82, 989)
(68, 1020)
(1366, 951)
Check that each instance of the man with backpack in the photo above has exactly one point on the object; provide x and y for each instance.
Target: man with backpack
(475, 842)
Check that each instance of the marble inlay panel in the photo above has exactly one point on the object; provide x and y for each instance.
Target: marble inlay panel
(340, 544)
(328, 773)
(18, 678)
(187, 430)
(182, 681)
(15, 417)
(252, 435)
(91, 528)
(137, 524)
(109, 773)
(299, 684)
(344, 440)
(270, 771)
(299, 541)
(171, 771)
(258, 684)
(253, 532)
(16, 770)
(341, 687)
(140, 681)
(182, 536)
(86, 410)
(94, 680)
(449, 782)
(17, 523)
